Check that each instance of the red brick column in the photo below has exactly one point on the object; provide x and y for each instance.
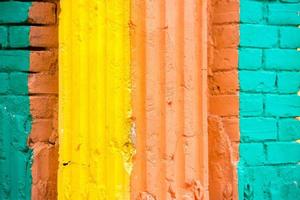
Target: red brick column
(43, 89)
(223, 99)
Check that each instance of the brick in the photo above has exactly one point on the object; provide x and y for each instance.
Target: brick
(231, 127)
(3, 37)
(18, 83)
(250, 58)
(220, 35)
(257, 81)
(14, 60)
(252, 154)
(289, 37)
(289, 129)
(4, 83)
(41, 61)
(251, 104)
(251, 12)
(41, 130)
(282, 105)
(12, 104)
(44, 36)
(225, 59)
(290, 1)
(42, 106)
(258, 129)
(283, 14)
(42, 13)
(224, 82)
(41, 83)
(226, 12)
(283, 152)
(14, 12)
(282, 59)
(261, 36)
(224, 105)
(289, 82)
(19, 36)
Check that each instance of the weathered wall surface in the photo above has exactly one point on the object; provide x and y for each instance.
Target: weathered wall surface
(27, 79)
(223, 118)
(43, 90)
(169, 60)
(95, 95)
(15, 118)
(269, 65)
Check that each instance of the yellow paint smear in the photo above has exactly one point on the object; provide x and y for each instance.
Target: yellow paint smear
(94, 100)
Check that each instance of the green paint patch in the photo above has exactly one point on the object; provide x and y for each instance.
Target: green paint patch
(14, 12)
(15, 117)
(269, 67)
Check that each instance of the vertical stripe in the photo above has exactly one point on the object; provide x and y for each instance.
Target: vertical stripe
(169, 108)
(15, 117)
(94, 102)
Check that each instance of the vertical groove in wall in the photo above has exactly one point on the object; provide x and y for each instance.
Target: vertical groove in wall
(94, 120)
(169, 108)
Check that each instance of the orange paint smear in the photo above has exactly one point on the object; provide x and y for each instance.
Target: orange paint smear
(169, 99)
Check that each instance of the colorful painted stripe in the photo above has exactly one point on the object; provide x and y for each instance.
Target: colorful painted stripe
(95, 103)
(15, 117)
(269, 83)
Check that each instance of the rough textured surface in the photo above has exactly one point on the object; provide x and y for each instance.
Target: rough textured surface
(15, 118)
(95, 145)
(269, 83)
(169, 70)
(223, 123)
(43, 90)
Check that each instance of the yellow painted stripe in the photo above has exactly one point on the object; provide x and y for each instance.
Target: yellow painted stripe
(94, 100)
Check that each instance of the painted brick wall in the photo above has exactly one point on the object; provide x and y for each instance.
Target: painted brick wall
(269, 76)
(28, 95)
(223, 122)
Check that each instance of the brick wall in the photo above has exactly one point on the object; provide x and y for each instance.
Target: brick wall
(28, 95)
(223, 99)
(269, 77)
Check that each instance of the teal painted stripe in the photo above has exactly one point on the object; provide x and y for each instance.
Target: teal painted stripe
(15, 117)
(269, 77)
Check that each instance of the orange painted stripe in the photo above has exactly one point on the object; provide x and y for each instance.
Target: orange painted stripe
(169, 99)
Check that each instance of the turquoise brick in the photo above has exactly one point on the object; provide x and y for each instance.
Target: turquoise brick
(14, 104)
(258, 129)
(250, 58)
(260, 36)
(290, 1)
(3, 37)
(18, 83)
(14, 60)
(286, 186)
(283, 152)
(251, 12)
(289, 129)
(3, 83)
(257, 81)
(19, 36)
(282, 59)
(252, 153)
(269, 182)
(282, 105)
(14, 12)
(255, 182)
(289, 37)
(289, 82)
(251, 104)
(284, 14)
